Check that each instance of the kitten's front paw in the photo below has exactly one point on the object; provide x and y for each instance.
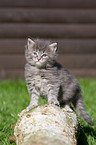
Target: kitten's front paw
(55, 102)
(27, 109)
(30, 107)
(22, 112)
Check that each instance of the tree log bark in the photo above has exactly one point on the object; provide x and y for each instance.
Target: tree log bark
(46, 125)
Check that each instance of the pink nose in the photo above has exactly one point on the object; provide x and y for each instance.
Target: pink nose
(38, 59)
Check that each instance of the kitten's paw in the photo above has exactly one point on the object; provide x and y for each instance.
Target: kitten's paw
(22, 112)
(27, 109)
(30, 107)
(55, 102)
(67, 107)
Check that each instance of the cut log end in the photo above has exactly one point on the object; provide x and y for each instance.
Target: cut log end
(46, 125)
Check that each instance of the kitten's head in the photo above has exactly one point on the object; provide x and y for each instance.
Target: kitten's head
(39, 52)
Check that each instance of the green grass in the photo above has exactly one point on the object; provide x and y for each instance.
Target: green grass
(14, 98)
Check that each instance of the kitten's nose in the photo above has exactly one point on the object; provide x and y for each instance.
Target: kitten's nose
(38, 59)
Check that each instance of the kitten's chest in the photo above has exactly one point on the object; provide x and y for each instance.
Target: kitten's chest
(41, 84)
(40, 80)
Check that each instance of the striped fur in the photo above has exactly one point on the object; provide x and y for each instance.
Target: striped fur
(45, 77)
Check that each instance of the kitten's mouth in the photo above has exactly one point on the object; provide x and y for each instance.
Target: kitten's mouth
(39, 64)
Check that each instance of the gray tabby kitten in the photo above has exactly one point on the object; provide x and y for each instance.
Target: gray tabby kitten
(44, 76)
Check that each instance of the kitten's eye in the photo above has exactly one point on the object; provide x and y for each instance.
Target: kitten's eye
(44, 55)
(35, 53)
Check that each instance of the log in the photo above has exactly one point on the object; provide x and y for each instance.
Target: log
(46, 125)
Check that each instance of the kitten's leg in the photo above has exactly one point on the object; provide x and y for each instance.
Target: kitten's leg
(69, 93)
(34, 96)
(53, 95)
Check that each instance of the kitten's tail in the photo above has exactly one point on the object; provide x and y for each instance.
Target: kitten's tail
(81, 111)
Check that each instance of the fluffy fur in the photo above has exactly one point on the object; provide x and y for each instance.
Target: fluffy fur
(45, 77)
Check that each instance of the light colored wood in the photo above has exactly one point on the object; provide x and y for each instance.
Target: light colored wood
(46, 125)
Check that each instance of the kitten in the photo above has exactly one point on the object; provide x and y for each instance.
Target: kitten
(45, 77)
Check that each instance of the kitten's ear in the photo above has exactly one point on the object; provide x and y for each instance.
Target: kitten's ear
(53, 47)
(30, 42)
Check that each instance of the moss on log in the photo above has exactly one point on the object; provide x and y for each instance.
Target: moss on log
(46, 125)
